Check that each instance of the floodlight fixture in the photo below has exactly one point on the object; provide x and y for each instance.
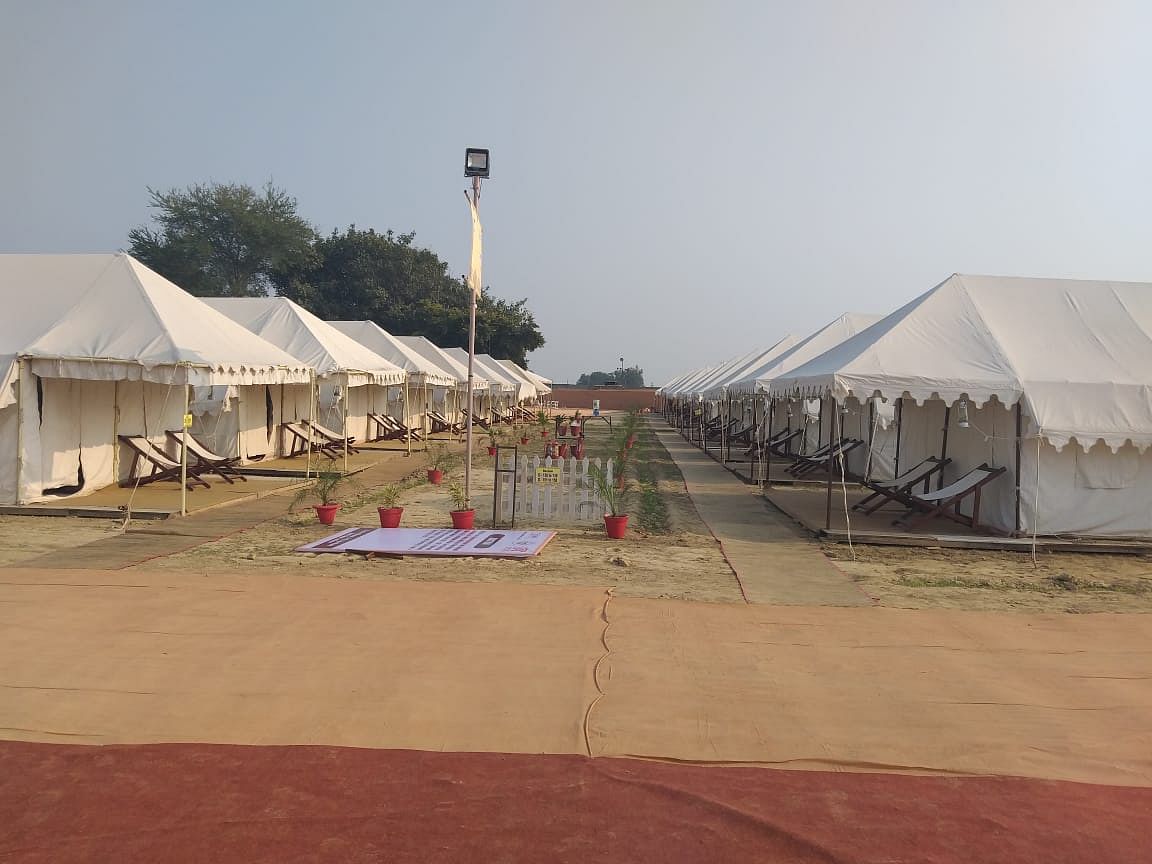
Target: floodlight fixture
(962, 414)
(476, 162)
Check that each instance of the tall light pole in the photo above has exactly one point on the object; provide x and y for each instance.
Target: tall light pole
(476, 167)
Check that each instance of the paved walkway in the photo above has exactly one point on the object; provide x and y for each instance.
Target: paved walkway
(774, 562)
(143, 541)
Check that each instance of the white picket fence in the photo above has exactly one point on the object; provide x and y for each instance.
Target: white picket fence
(572, 499)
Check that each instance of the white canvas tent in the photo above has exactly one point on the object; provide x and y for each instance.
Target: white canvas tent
(424, 376)
(435, 354)
(92, 346)
(351, 379)
(1067, 362)
(530, 388)
(543, 385)
(503, 390)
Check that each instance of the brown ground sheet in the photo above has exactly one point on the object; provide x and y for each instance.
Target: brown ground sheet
(61, 804)
(98, 657)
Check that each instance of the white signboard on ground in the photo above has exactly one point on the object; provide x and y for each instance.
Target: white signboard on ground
(448, 542)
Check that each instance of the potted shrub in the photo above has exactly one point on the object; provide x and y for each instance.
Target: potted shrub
(439, 461)
(612, 494)
(523, 437)
(493, 439)
(323, 488)
(631, 428)
(389, 513)
(463, 516)
(543, 422)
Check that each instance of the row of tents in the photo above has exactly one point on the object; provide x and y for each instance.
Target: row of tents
(1047, 379)
(95, 347)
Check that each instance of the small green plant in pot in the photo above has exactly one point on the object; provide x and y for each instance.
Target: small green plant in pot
(612, 494)
(439, 461)
(543, 422)
(463, 515)
(324, 489)
(388, 497)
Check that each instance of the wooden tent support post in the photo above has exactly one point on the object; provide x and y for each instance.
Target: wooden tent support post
(943, 446)
(1019, 428)
(831, 451)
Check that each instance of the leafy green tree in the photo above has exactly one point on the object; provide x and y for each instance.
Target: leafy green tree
(384, 277)
(224, 239)
(633, 376)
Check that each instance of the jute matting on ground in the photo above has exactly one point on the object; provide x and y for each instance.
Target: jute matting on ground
(100, 658)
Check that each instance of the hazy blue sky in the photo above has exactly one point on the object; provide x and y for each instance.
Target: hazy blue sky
(674, 182)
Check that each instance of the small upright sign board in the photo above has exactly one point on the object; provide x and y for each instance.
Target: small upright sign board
(436, 542)
(595, 407)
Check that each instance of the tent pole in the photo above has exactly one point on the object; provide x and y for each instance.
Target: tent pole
(943, 446)
(344, 412)
(21, 371)
(1019, 427)
(184, 449)
(767, 457)
(407, 418)
(899, 430)
(831, 451)
(313, 395)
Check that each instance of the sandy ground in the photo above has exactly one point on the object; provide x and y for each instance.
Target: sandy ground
(25, 537)
(683, 563)
(918, 578)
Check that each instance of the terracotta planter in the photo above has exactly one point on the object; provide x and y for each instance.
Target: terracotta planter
(563, 448)
(491, 451)
(574, 429)
(390, 516)
(630, 442)
(435, 476)
(326, 513)
(543, 433)
(463, 519)
(615, 526)
(523, 439)
(578, 451)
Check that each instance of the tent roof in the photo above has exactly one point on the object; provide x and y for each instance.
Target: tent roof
(66, 311)
(543, 385)
(375, 338)
(434, 353)
(305, 336)
(716, 384)
(757, 378)
(687, 384)
(530, 388)
(670, 387)
(1076, 354)
(489, 368)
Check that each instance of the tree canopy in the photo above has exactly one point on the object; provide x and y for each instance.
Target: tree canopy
(223, 239)
(633, 376)
(362, 275)
(230, 240)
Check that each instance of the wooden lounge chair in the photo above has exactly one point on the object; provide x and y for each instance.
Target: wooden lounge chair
(806, 464)
(777, 444)
(899, 488)
(742, 435)
(947, 501)
(720, 430)
(334, 438)
(524, 414)
(302, 439)
(392, 429)
(476, 421)
(440, 423)
(206, 460)
(163, 466)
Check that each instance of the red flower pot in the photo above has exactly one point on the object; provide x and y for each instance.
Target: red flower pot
(563, 450)
(326, 513)
(463, 519)
(574, 429)
(615, 526)
(390, 516)
(435, 476)
(491, 451)
(543, 433)
(523, 439)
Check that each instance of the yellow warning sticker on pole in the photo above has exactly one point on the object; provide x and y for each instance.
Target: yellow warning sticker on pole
(187, 421)
(548, 476)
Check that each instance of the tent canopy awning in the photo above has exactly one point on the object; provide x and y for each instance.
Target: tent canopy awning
(108, 317)
(433, 352)
(305, 336)
(1076, 354)
(378, 340)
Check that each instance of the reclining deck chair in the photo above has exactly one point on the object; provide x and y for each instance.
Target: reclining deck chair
(206, 460)
(440, 423)
(392, 429)
(163, 466)
(899, 488)
(947, 501)
(777, 444)
(806, 464)
(303, 439)
(476, 421)
(333, 438)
